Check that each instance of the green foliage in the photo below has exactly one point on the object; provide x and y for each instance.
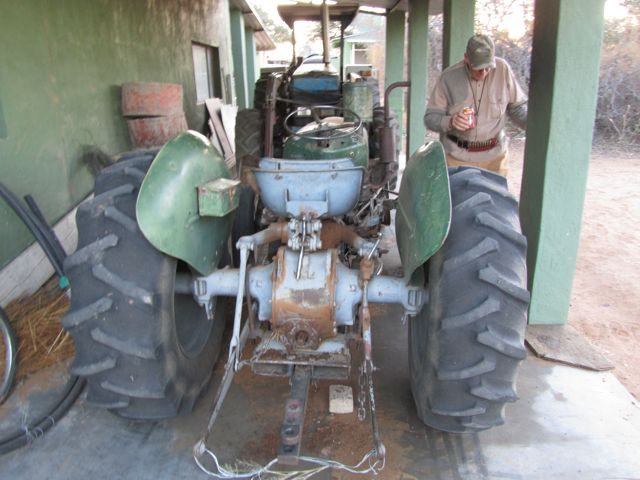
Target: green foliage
(618, 113)
(278, 31)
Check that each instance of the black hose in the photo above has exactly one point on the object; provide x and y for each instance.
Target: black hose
(45, 228)
(9, 339)
(151, 152)
(25, 435)
(54, 251)
(32, 224)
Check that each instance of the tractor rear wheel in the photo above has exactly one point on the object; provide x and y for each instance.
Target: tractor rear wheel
(146, 350)
(466, 344)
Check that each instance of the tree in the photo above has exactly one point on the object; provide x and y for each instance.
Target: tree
(278, 31)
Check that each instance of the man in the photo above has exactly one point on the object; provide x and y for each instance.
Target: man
(468, 107)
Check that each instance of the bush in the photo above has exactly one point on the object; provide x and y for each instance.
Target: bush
(618, 113)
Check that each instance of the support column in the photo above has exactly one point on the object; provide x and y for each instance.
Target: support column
(394, 62)
(253, 72)
(418, 62)
(239, 57)
(458, 27)
(567, 41)
(347, 53)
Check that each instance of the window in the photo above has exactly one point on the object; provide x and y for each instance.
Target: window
(206, 65)
(361, 53)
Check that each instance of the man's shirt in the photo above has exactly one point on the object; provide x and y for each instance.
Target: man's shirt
(491, 99)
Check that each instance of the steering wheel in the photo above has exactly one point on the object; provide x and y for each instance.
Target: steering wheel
(325, 128)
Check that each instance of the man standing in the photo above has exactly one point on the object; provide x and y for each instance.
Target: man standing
(468, 107)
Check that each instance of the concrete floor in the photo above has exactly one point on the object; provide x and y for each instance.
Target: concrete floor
(568, 423)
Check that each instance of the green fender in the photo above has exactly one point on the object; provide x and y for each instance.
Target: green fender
(423, 210)
(167, 206)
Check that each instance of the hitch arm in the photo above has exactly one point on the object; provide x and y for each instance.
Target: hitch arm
(294, 411)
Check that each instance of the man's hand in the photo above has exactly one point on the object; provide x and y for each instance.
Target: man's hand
(460, 122)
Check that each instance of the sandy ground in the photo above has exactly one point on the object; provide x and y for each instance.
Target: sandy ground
(605, 302)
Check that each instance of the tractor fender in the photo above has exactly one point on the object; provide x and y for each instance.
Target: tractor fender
(423, 212)
(167, 208)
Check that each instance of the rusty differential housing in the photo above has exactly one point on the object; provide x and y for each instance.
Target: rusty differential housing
(303, 311)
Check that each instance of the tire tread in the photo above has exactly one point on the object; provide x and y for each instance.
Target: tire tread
(466, 344)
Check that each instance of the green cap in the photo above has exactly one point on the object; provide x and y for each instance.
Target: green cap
(480, 51)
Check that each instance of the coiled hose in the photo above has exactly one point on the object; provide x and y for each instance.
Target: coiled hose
(9, 339)
(42, 232)
(44, 235)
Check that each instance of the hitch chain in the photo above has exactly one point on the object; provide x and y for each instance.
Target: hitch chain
(366, 370)
(362, 412)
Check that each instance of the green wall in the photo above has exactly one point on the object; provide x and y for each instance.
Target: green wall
(239, 58)
(62, 63)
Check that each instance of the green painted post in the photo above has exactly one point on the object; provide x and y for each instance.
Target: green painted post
(458, 27)
(418, 58)
(239, 57)
(394, 61)
(567, 41)
(347, 53)
(252, 60)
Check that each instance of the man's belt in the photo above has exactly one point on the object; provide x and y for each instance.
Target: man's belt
(482, 146)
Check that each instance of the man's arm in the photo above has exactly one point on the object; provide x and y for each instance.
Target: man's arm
(436, 118)
(518, 114)
(517, 108)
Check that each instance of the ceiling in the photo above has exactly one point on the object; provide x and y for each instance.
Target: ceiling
(435, 6)
(264, 41)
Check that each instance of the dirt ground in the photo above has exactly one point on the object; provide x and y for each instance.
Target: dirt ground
(605, 302)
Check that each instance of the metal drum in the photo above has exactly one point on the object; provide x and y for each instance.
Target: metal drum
(358, 97)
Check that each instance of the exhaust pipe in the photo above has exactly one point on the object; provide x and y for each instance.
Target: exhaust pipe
(388, 134)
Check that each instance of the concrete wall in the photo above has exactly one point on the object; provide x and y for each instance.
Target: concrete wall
(62, 64)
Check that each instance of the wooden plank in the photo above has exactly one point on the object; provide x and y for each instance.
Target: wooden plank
(213, 107)
(228, 113)
(31, 269)
(564, 344)
(214, 138)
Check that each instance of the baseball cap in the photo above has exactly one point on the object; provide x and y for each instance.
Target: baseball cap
(480, 50)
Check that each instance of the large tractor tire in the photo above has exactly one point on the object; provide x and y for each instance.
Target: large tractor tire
(146, 351)
(249, 150)
(249, 136)
(467, 343)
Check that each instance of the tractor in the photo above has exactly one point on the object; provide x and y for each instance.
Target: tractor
(174, 244)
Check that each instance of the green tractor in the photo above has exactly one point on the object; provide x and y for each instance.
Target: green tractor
(167, 239)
